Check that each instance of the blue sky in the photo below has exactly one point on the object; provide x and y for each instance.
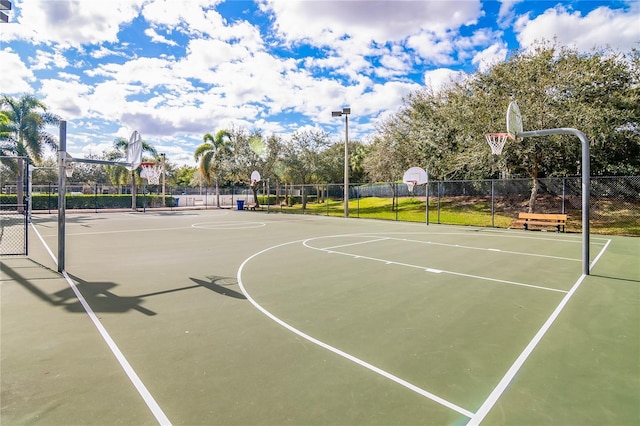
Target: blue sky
(177, 69)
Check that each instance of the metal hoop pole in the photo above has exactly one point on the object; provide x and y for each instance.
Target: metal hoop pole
(586, 184)
(62, 190)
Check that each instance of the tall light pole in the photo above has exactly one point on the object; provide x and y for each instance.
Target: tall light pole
(345, 112)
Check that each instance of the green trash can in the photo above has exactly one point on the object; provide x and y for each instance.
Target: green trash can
(240, 205)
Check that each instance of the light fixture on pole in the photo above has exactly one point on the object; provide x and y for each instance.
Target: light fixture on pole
(4, 5)
(345, 112)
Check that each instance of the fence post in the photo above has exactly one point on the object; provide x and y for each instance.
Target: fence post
(439, 196)
(395, 192)
(427, 202)
(564, 180)
(492, 204)
(326, 198)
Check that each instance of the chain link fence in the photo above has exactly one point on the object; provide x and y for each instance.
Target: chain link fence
(614, 207)
(13, 209)
(614, 202)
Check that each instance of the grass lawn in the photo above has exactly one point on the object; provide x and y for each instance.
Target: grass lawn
(453, 211)
(408, 210)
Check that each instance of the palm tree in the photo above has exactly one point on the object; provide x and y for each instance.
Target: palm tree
(211, 155)
(118, 174)
(22, 133)
(4, 125)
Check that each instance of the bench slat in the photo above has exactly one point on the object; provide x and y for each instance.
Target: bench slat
(543, 219)
(542, 216)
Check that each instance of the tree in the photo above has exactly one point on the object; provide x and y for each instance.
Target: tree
(22, 133)
(274, 167)
(211, 155)
(249, 154)
(184, 176)
(4, 125)
(555, 87)
(303, 159)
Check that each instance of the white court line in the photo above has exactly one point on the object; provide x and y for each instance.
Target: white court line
(358, 243)
(487, 249)
(337, 351)
(427, 269)
(508, 377)
(128, 369)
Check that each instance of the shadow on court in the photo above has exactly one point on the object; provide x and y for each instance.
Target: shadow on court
(100, 295)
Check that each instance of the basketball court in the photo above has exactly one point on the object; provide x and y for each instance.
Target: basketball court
(237, 317)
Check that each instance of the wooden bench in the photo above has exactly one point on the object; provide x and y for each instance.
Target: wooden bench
(541, 219)
(251, 207)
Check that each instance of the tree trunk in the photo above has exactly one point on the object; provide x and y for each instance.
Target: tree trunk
(254, 189)
(535, 187)
(534, 195)
(304, 197)
(217, 193)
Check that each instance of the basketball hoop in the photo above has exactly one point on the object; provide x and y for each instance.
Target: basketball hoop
(497, 141)
(411, 184)
(151, 172)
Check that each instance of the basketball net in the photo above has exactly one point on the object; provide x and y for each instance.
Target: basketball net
(410, 185)
(151, 172)
(497, 141)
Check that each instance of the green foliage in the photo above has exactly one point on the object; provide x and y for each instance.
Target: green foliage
(184, 176)
(91, 201)
(22, 128)
(555, 87)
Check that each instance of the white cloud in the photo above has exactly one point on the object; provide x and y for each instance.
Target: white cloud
(157, 38)
(506, 13)
(490, 56)
(19, 78)
(195, 17)
(49, 59)
(67, 98)
(433, 48)
(442, 77)
(603, 26)
(377, 20)
(72, 23)
(103, 52)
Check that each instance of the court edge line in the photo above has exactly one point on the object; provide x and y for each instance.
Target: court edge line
(519, 362)
(128, 369)
(337, 351)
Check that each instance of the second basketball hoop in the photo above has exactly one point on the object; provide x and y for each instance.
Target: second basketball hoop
(497, 141)
(151, 172)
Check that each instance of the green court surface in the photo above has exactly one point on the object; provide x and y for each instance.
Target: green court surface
(220, 317)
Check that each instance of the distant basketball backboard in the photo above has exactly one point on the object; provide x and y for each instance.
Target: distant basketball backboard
(134, 151)
(416, 176)
(514, 120)
(255, 177)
